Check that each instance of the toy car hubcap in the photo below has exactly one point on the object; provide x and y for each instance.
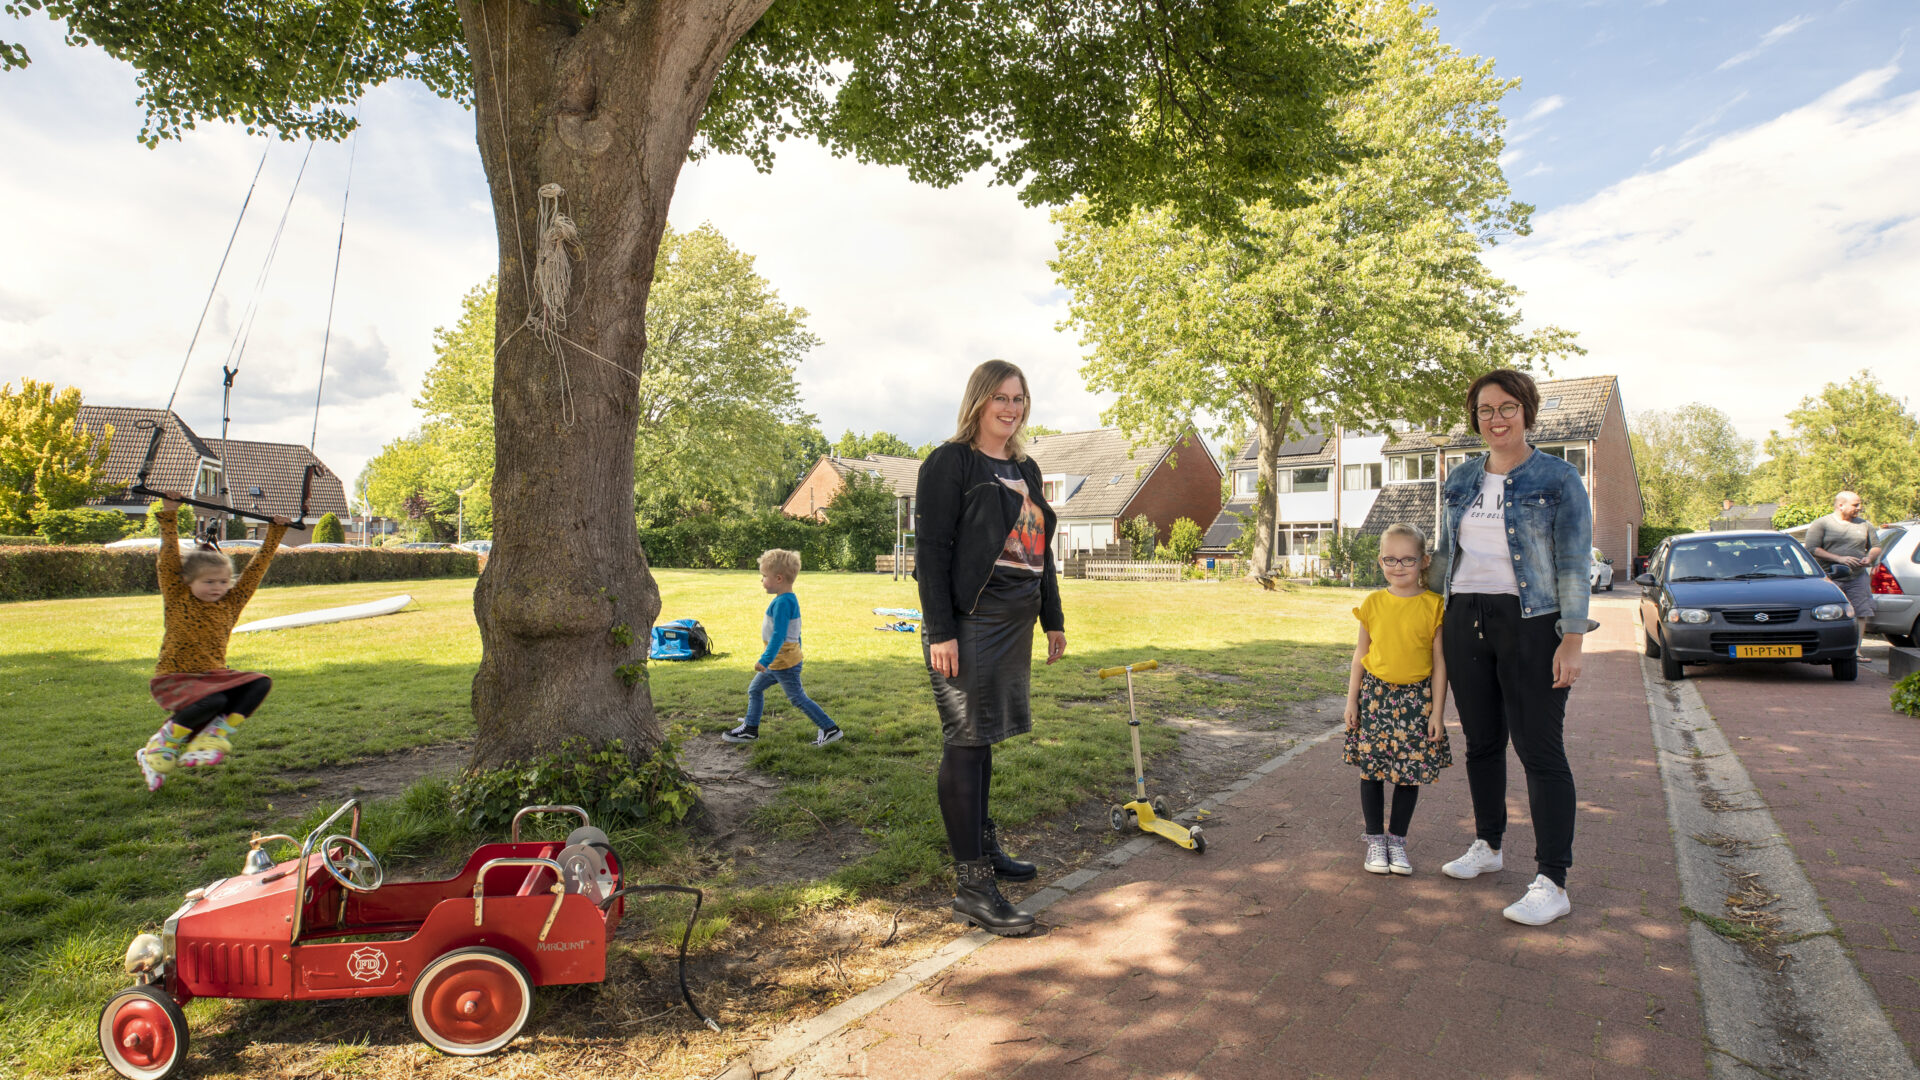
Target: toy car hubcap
(142, 1035)
(472, 1004)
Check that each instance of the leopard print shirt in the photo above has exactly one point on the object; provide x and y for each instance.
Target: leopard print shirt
(196, 634)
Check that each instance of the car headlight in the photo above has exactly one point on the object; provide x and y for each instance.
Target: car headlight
(1687, 615)
(1830, 612)
(145, 953)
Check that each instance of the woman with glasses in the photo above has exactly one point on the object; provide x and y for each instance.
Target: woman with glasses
(985, 568)
(1514, 540)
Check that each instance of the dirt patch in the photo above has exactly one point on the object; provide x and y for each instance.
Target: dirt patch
(373, 778)
(731, 790)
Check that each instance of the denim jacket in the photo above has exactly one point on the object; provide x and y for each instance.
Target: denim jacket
(1549, 532)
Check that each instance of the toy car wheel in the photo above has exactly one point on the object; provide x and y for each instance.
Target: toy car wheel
(143, 1033)
(1199, 841)
(1117, 817)
(1159, 805)
(471, 1001)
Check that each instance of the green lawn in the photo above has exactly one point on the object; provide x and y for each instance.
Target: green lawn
(92, 857)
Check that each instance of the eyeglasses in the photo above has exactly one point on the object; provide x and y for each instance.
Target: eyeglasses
(1400, 562)
(1507, 412)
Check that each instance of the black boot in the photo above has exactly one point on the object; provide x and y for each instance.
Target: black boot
(979, 902)
(1005, 867)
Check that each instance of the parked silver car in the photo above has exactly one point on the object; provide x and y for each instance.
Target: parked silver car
(1896, 584)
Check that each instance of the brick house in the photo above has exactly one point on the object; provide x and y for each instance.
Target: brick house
(260, 477)
(828, 475)
(1097, 479)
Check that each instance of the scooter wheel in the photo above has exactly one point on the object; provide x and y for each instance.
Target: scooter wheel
(1159, 805)
(1117, 817)
(1199, 841)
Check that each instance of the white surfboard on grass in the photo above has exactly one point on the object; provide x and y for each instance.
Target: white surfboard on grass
(367, 610)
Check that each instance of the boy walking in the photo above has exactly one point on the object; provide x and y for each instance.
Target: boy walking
(780, 663)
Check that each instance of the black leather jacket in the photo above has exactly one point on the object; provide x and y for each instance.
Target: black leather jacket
(962, 515)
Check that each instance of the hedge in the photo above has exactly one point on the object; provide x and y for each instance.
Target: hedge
(22, 541)
(713, 542)
(1651, 535)
(53, 573)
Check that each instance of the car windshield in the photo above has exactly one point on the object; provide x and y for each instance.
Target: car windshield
(1739, 559)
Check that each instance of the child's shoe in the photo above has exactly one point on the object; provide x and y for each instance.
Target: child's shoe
(156, 760)
(742, 734)
(210, 747)
(1377, 855)
(827, 736)
(1397, 855)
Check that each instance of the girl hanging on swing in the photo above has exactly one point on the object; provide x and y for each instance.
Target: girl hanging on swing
(206, 699)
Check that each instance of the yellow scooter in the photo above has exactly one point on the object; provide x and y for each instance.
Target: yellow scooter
(1149, 814)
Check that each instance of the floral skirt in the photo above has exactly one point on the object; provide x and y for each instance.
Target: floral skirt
(1391, 742)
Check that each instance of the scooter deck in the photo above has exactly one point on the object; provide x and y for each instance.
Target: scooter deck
(1149, 822)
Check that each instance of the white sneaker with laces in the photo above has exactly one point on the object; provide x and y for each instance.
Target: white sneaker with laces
(1377, 855)
(1543, 903)
(741, 733)
(1397, 860)
(1479, 859)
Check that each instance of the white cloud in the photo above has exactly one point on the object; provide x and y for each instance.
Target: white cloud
(1766, 40)
(1552, 103)
(1778, 258)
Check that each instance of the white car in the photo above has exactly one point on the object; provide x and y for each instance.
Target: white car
(135, 543)
(478, 547)
(1599, 572)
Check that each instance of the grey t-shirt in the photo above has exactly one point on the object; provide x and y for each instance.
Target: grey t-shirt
(1841, 537)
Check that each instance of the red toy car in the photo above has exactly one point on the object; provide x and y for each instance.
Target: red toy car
(466, 951)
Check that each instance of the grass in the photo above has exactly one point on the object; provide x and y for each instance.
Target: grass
(92, 858)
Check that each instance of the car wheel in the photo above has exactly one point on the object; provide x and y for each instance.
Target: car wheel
(1670, 668)
(1847, 670)
(471, 1002)
(1902, 641)
(143, 1033)
(1649, 644)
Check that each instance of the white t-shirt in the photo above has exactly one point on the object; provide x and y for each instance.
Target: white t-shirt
(1486, 562)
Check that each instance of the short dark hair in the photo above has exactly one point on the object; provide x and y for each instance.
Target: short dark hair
(1516, 383)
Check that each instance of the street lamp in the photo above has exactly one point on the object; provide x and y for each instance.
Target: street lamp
(460, 515)
(1439, 440)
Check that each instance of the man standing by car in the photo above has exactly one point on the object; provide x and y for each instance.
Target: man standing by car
(1845, 538)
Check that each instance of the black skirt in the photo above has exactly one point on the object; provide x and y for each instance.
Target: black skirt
(987, 702)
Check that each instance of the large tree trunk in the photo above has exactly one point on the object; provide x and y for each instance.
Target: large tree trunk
(1270, 420)
(606, 108)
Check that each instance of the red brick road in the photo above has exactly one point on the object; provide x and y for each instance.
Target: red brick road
(1839, 769)
(1275, 956)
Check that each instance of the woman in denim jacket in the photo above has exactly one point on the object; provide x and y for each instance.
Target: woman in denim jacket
(1514, 544)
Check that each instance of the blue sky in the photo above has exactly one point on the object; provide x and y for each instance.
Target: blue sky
(1724, 191)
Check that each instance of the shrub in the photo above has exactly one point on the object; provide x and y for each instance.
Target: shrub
(328, 529)
(1651, 535)
(52, 573)
(82, 525)
(1906, 695)
(22, 541)
(183, 521)
(861, 516)
(611, 789)
(734, 542)
(1139, 531)
(236, 529)
(1790, 516)
(1356, 555)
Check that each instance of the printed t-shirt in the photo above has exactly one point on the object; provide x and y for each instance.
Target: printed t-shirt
(1400, 632)
(1023, 558)
(781, 631)
(1486, 562)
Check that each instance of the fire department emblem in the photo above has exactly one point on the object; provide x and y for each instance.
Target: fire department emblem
(367, 964)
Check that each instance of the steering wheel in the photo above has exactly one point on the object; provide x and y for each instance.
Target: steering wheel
(350, 870)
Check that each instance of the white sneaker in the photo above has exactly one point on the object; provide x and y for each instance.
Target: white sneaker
(1377, 856)
(1397, 860)
(1479, 859)
(1543, 903)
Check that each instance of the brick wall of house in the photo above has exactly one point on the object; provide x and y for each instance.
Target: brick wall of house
(1617, 510)
(816, 490)
(1190, 489)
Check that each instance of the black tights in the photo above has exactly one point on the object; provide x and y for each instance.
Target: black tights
(966, 778)
(1373, 794)
(242, 699)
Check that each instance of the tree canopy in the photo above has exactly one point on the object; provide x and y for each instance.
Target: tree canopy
(47, 460)
(856, 444)
(1690, 459)
(1851, 436)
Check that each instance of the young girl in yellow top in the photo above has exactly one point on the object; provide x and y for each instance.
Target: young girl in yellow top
(192, 681)
(1396, 695)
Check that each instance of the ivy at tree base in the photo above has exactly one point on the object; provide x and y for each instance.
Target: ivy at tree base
(611, 789)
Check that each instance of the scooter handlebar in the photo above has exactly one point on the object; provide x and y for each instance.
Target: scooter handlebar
(1143, 665)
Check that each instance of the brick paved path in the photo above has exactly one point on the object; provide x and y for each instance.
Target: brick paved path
(1839, 768)
(1275, 956)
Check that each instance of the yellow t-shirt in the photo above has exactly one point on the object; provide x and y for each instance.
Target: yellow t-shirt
(1400, 632)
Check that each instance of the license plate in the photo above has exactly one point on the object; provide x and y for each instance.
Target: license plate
(1764, 652)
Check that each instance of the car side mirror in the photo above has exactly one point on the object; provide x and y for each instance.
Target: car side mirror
(1645, 581)
(1609, 562)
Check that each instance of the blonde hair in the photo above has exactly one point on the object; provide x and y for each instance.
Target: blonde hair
(980, 387)
(780, 562)
(1411, 532)
(200, 562)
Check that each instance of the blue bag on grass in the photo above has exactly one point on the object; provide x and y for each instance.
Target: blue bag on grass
(681, 639)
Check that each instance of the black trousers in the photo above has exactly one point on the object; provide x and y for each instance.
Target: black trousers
(242, 699)
(1500, 668)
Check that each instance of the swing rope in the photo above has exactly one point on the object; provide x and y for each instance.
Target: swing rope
(333, 291)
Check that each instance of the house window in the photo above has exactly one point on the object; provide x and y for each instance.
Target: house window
(1575, 456)
(1410, 467)
(1283, 481)
(1316, 479)
(1246, 483)
(1361, 477)
(1050, 491)
(1550, 404)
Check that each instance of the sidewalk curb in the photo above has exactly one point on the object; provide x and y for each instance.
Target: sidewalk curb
(806, 1034)
(1824, 1020)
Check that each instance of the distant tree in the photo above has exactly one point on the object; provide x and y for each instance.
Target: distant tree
(1140, 532)
(183, 521)
(862, 513)
(82, 525)
(1690, 459)
(1183, 541)
(328, 529)
(1793, 515)
(47, 460)
(1852, 436)
(236, 528)
(801, 446)
(858, 445)
(1035, 431)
